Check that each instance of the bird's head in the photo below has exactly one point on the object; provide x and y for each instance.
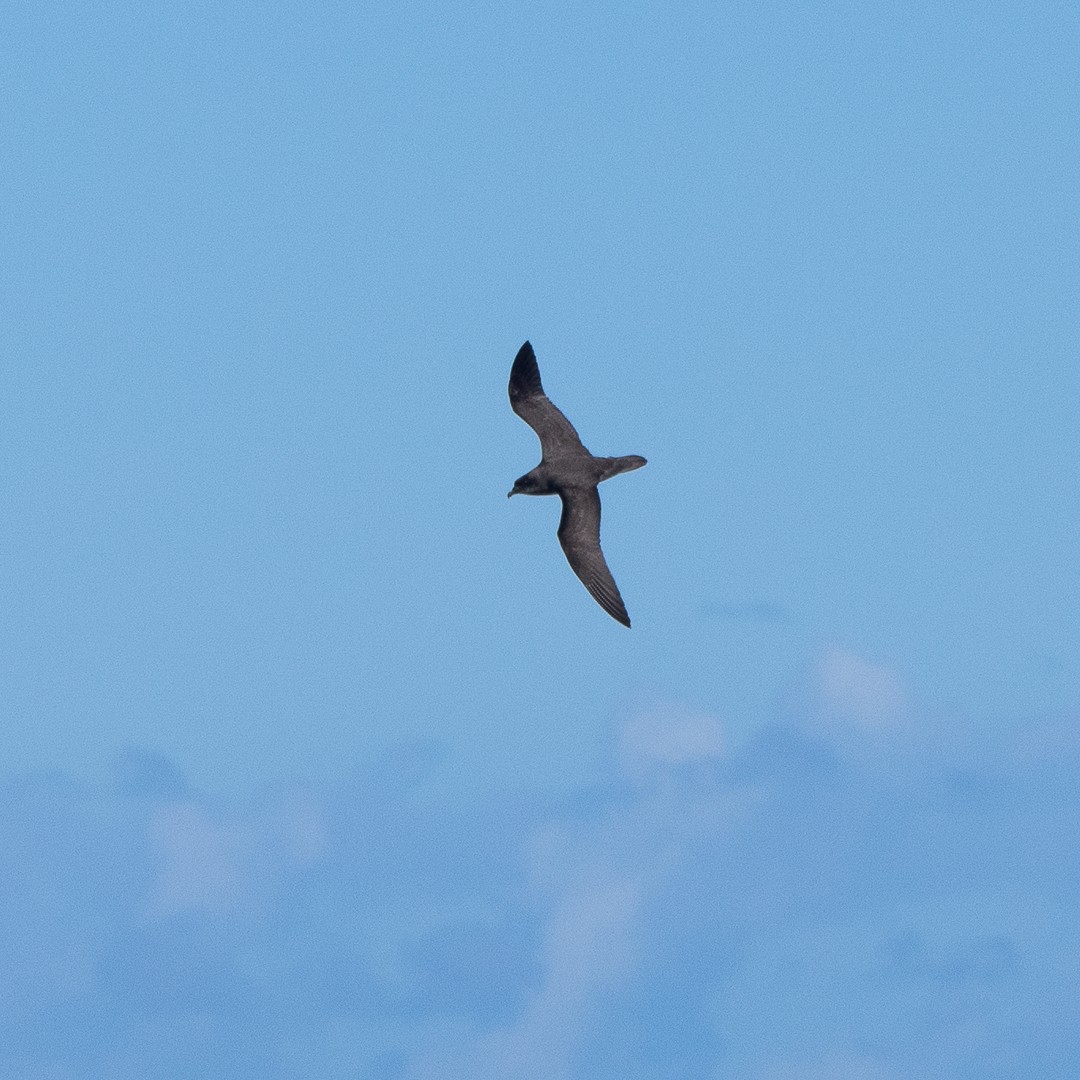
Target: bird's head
(524, 485)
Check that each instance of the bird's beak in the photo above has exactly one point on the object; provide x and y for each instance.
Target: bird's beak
(509, 493)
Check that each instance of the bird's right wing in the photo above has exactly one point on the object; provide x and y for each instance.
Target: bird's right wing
(528, 400)
(579, 534)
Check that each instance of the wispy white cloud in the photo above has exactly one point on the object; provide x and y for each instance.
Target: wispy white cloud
(854, 690)
(203, 864)
(841, 693)
(215, 863)
(587, 949)
(666, 735)
(785, 907)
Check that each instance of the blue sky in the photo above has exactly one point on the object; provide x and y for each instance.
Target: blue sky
(318, 759)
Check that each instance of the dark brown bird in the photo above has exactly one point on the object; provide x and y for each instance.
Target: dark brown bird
(568, 470)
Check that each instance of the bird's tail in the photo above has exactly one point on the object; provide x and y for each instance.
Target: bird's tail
(612, 466)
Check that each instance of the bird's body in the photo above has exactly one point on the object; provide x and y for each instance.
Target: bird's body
(568, 470)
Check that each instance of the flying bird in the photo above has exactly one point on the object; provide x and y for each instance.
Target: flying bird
(568, 470)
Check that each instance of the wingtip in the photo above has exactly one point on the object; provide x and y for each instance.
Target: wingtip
(617, 611)
(525, 374)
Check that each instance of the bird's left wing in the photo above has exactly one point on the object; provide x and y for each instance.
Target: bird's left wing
(579, 534)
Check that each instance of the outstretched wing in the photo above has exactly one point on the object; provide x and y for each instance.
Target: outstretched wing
(528, 400)
(579, 534)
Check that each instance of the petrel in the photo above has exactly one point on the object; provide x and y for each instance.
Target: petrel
(568, 470)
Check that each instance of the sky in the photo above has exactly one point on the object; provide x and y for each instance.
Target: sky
(317, 759)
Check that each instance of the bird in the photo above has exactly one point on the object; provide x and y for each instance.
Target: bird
(568, 470)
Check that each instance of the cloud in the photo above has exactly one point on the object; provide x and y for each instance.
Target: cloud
(587, 947)
(851, 706)
(783, 907)
(215, 864)
(201, 861)
(669, 735)
(595, 877)
(842, 690)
